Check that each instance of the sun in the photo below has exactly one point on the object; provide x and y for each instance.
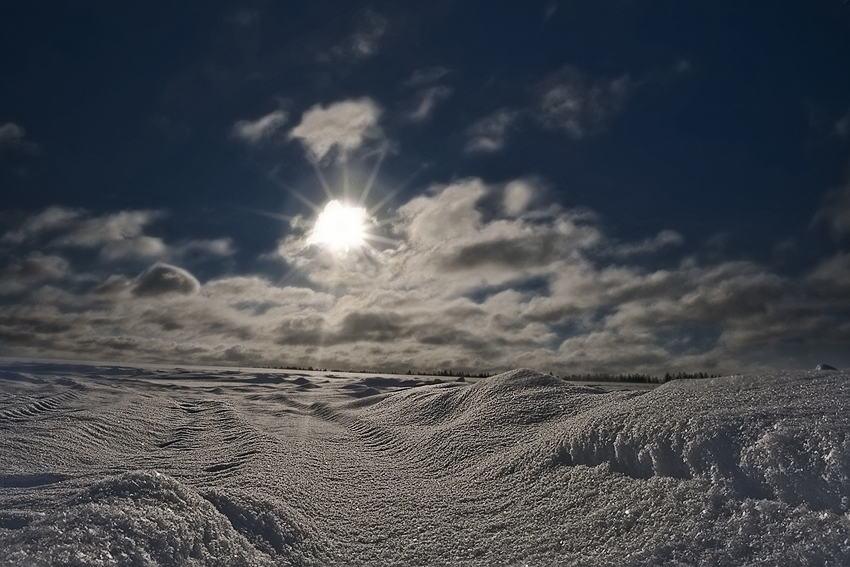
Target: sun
(339, 227)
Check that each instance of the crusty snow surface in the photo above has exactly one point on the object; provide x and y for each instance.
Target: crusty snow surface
(109, 465)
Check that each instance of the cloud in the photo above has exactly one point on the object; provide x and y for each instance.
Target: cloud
(842, 126)
(426, 76)
(664, 239)
(342, 126)
(261, 130)
(364, 42)
(571, 102)
(427, 100)
(484, 277)
(216, 247)
(490, 134)
(162, 278)
(34, 269)
(518, 196)
(12, 140)
(51, 219)
(836, 210)
(118, 235)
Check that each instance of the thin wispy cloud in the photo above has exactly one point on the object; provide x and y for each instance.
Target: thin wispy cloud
(427, 76)
(579, 105)
(13, 140)
(835, 211)
(261, 130)
(490, 134)
(427, 100)
(364, 42)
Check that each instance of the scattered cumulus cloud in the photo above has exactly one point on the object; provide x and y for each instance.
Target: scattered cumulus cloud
(261, 130)
(162, 278)
(482, 277)
(490, 134)
(51, 219)
(342, 126)
(116, 236)
(578, 105)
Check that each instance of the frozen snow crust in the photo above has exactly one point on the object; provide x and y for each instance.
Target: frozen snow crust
(107, 465)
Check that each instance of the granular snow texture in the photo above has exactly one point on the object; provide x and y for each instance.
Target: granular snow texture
(111, 465)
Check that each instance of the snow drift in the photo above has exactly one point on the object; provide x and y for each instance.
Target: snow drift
(105, 465)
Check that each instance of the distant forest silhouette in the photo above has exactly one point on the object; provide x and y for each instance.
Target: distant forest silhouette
(597, 377)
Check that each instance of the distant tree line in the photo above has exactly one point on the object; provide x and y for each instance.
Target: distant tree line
(444, 372)
(638, 378)
(447, 372)
(597, 377)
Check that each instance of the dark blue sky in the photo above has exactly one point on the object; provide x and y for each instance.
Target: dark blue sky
(644, 185)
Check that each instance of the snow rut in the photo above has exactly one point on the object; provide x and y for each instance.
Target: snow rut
(211, 438)
(37, 407)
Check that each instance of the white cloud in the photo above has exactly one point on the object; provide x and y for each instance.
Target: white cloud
(260, 130)
(428, 99)
(571, 102)
(491, 132)
(342, 126)
(518, 195)
(51, 219)
(117, 235)
(483, 277)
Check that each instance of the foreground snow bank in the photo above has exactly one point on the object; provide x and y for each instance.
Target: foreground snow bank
(118, 466)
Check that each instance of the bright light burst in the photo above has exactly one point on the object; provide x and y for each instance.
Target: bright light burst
(339, 227)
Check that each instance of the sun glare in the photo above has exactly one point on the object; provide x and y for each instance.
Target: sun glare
(339, 227)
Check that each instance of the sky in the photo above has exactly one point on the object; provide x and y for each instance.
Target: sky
(580, 186)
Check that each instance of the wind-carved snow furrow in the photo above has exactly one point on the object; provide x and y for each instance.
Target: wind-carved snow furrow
(37, 407)
(382, 442)
(210, 435)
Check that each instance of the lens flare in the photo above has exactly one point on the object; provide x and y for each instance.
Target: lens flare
(339, 227)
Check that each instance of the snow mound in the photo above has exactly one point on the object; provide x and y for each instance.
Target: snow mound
(765, 437)
(521, 378)
(206, 467)
(139, 518)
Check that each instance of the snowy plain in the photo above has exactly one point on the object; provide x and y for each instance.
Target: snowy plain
(131, 465)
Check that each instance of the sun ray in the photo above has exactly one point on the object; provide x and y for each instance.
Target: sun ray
(322, 180)
(368, 187)
(306, 201)
(345, 187)
(392, 193)
(276, 216)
